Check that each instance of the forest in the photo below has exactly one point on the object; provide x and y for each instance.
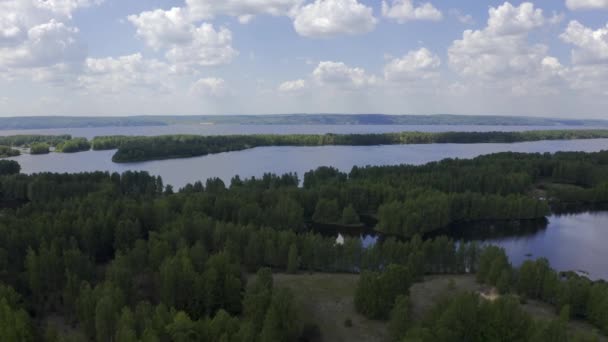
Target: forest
(110, 257)
(134, 149)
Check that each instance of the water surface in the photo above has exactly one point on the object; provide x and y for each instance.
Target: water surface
(284, 159)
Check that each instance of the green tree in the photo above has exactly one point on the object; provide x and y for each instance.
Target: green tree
(350, 216)
(400, 319)
(293, 262)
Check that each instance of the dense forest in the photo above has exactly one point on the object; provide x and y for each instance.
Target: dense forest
(290, 119)
(133, 149)
(109, 257)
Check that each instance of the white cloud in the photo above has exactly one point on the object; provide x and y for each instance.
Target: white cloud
(209, 87)
(327, 18)
(510, 20)
(293, 86)
(160, 28)
(501, 56)
(46, 44)
(126, 73)
(245, 10)
(187, 45)
(464, 18)
(341, 75)
(415, 66)
(405, 10)
(586, 4)
(592, 45)
(207, 48)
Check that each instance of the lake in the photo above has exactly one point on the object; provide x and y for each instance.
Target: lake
(90, 132)
(575, 242)
(284, 159)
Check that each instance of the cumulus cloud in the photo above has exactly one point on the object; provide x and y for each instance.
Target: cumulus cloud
(209, 87)
(586, 4)
(293, 86)
(405, 10)
(592, 45)
(415, 66)
(327, 18)
(46, 44)
(37, 40)
(126, 73)
(186, 44)
(341, 75)
(500, 55)
(244, 10)
(208, 47)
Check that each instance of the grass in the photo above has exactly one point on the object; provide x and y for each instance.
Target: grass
(327, 301)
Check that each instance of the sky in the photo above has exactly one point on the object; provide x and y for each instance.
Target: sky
(184, 57)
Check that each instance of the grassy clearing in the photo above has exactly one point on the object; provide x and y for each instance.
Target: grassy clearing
(327, 301)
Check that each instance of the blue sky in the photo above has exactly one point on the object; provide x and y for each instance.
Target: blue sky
(113, 57)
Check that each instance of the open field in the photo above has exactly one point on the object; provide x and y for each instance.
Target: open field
(327, 301)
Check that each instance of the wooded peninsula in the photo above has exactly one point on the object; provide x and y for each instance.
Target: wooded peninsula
(135, 149)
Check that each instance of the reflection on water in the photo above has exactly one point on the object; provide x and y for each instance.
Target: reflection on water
(571, 242)
(575, 242)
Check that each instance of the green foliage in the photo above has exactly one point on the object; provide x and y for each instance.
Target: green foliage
(31, 140)
(73, 145)
(400, 318)
(293, 262)
(40, 148)
(377, 292)
(350, 216)
(9, 167)
(6, 152)
(326, 211)
(132, 149)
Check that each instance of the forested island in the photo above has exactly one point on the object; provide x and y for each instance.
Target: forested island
(110, 257)
(134, 149)
(41, 144)
(43, 122)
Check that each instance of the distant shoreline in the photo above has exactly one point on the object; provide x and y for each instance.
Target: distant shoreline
(56, 122)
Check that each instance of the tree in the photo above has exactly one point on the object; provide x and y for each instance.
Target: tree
(326, 211)
(9, 167)
(399, 318)
(15, 323)
(281, 321)
(293, 262)
(350, 216)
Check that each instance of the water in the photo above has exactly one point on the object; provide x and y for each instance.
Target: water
(280, 160)
(90, 132)
(574, 242)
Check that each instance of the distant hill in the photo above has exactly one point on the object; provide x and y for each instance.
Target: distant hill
(42, 122)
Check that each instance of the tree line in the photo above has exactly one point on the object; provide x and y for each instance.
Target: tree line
(133, 149)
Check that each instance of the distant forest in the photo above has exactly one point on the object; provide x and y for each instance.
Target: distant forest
(43, 122)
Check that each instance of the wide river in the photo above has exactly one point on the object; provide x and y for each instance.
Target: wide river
(575, 242)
